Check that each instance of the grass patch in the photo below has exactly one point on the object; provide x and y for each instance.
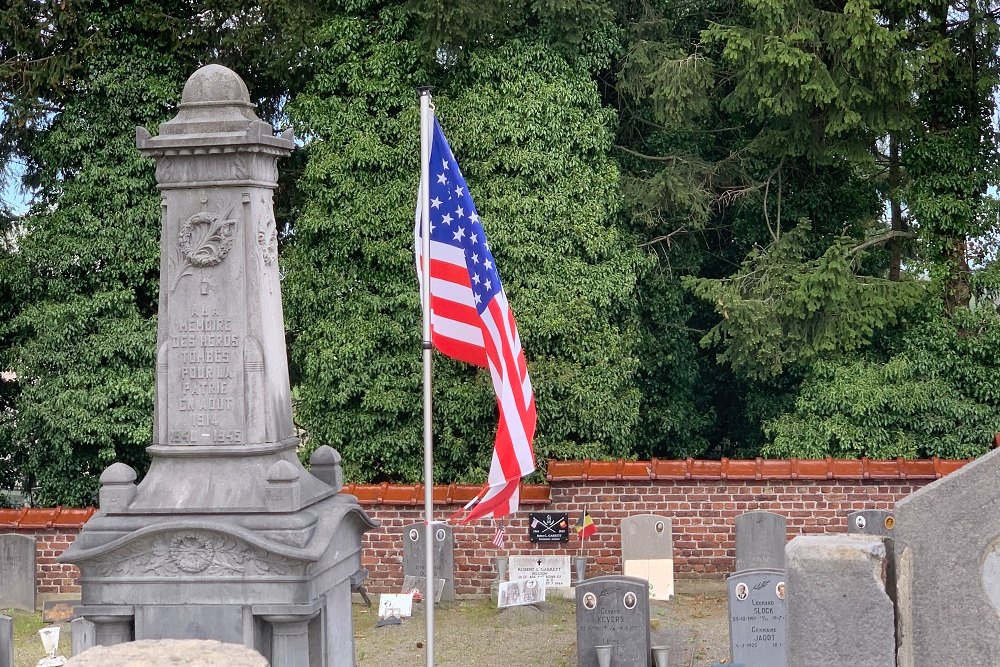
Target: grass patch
(27, 644)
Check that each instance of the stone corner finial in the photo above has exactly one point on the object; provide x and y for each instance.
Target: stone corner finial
(284, 488)
(324, 464)
(117, 488)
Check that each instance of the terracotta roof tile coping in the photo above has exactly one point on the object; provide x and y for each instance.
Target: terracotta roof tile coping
(45, 517)
(577, 471)
(751, 469)
(444, 494)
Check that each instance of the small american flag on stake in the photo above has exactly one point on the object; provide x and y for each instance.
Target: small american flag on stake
(471, 321)
(500, 536)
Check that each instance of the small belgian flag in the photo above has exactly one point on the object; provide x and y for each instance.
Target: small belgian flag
(585, 525)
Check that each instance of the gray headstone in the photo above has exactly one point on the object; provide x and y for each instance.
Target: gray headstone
(757, 617)
(84, 635)
(838, 610)
(760, 541)
(415, 558)
(648, 552)
(17, 572)
(613, 610)
(6, 641)
(947, 545)
(647, 537)
(871, 522)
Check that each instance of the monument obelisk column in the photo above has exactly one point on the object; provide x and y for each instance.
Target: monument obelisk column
(228, 536)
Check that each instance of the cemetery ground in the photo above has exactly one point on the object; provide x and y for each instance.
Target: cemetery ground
(474, 633)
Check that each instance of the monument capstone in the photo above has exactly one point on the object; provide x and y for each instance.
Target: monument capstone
(228, 537)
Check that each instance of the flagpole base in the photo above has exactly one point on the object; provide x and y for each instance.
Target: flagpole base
(580, 567)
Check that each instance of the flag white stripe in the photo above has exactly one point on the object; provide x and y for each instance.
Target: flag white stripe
(445, 289)
(457, 330)
(519, 439)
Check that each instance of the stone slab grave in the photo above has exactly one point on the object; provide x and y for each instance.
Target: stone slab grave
(838, 611)
(947, 553)
(521, 592)
(613, 610)
(757, 617)
(411, 582)
(228, 536)
(6, 641)
(170, 652)
(648, 552)
(871, 522)
(415, 558)
(17, 572)
(760, 541)
(554, 569)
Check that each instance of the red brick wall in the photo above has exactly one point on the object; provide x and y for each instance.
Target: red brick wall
(701, 497)
(702, 514)
(55, 577)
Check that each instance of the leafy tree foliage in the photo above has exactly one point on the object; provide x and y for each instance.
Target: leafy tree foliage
(723, 226)
(526, 125)
(79, 274)
(936, 395)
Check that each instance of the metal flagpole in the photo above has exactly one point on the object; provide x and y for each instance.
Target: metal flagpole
(426, 127)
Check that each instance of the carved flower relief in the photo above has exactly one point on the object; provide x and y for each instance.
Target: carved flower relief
(267, 239)
(191, 553)
(205, 239)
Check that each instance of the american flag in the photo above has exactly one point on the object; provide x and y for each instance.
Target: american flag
(471, 321)
(500, 536)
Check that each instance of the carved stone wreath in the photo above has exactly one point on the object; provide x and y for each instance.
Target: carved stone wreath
(205, 240)
(191, 553)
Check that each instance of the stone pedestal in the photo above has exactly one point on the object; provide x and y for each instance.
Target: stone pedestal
(228, 537)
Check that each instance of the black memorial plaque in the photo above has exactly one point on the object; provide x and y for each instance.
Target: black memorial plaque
(757, 617)
(548, 527)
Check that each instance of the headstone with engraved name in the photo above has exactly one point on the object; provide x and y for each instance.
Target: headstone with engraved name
(415, 557)
(760, 541)
(6, 641)
(613, 610)
(757, 617)
(648, 552)
(554, 569)
(17, 572)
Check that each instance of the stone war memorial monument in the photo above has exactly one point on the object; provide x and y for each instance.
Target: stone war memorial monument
(228, 537)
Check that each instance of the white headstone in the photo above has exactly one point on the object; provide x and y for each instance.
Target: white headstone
(554, 569)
